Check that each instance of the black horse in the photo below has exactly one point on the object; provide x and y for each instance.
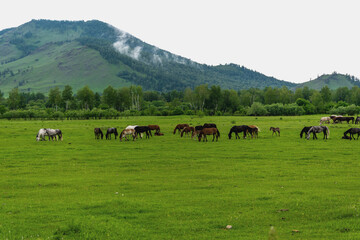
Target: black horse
(111, 131)
(304, 131)
(352, 132)
(357, 120)
(98, 133)
(143, 129)
(238, 129)
(209, 125)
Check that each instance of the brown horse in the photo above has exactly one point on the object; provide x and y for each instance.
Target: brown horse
(209, 131)
(186, 130)
(154, 127)
(98, 133)
(180, 127)
(254, 131)
(275, 130)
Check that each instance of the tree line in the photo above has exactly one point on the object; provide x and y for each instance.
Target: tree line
(201, 100)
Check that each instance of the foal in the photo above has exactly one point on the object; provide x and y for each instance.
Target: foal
(275, 130)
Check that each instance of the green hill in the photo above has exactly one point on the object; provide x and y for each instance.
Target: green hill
(42, 54)
(333, 81)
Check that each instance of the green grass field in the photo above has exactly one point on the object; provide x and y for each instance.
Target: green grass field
(176, 188)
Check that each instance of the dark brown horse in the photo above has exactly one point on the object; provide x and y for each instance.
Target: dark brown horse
(186, 130)
(154, 127)
(342, 119)
(275, 130)
(209, 131)
(98, 133)
(180, 127)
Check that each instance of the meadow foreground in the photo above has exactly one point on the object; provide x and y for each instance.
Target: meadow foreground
(168, 187)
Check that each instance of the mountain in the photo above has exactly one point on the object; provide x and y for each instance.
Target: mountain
(333, 81)
(43, 54)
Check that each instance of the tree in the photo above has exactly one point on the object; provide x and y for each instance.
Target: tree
(109, 96)
(271, 95)
(325, 94)
(123, 99)
(136, 97)
(189, 97)
(14, 99)
(1, 97)
(86, 97)
(201, 93)
(67, 96)
(215, 98)
(342, 94)
(54, 97)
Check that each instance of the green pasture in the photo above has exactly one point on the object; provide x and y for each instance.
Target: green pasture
(168, 187)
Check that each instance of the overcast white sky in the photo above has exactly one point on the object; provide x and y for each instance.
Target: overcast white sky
(291, 40)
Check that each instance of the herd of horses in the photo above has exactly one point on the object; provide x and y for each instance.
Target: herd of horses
(130, 131)
(208, 129)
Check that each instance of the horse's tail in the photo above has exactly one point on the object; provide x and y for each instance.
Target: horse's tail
(101, 133)
(60, 135)
(328, 131)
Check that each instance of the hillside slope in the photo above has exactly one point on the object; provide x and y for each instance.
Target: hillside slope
(333, 81)
(42, 54)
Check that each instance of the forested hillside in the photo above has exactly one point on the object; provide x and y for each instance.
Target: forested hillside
(42, 54)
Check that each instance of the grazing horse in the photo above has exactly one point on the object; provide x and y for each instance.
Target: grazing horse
(41, 135)
(98, 133)
(180, 127)
(127, 132)
(254, 131)
(357, 120)
(352, 131)
(318, 129)
(143, 129)
(325, 120)
(341, 119)
(239, 129)
(154, 127)
(186, 130)
(209, 131)
(275, 130)
(54, 133)
(111, 131)
(304, 131)
(197, 131)
(209, 125)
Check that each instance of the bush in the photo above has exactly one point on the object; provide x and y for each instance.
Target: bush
(257, 109)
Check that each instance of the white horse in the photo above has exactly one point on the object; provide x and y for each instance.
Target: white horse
(325, 120)
(54, 133)
(133, 127)
(127, 132)
(41, 135)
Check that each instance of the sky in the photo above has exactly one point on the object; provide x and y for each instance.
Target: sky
(290, 40)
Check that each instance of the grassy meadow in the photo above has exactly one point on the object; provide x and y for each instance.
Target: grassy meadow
(168, 187)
